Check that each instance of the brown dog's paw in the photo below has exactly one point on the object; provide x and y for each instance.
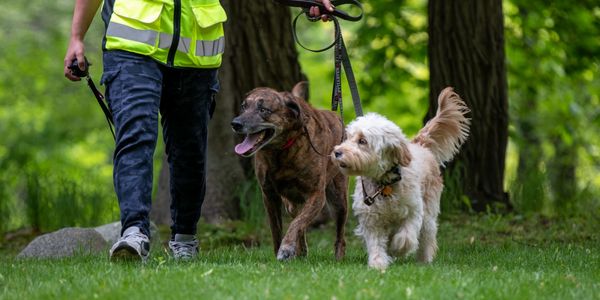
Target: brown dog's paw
(286, 252)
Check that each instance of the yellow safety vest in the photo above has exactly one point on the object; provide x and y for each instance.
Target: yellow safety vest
(180, 33)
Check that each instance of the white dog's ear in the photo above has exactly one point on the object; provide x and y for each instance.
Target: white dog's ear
(401, 155)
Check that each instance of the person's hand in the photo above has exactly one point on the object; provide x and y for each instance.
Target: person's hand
(75, 50)
(315, 12)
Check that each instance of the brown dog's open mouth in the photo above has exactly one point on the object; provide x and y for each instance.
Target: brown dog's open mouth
(254, 141)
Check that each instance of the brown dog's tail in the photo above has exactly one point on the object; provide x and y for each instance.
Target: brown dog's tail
(448, 130)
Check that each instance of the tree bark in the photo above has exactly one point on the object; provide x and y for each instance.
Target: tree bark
(466, 51)
(259, 51)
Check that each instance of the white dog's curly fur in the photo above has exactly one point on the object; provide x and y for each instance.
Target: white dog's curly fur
(403, 217)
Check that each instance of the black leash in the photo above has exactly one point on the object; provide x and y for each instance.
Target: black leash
(340, 52)
(74, 67)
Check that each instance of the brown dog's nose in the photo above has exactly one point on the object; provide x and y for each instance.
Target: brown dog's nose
(236, 125)
(337, 154)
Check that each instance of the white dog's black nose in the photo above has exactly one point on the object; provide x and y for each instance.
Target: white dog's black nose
(337, 154)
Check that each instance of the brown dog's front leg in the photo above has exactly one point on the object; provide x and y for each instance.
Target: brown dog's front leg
(313, 206)
(273, 207)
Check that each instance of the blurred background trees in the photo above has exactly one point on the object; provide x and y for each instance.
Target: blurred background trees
(56, 151)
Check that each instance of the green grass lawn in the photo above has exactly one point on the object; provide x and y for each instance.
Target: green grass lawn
(480, 257)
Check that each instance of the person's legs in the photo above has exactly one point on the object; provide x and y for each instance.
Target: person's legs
(133, 89)
(186, 103)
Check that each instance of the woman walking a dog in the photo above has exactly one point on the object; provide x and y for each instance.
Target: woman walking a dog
(158, 57)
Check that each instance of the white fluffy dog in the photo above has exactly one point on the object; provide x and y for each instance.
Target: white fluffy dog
(397, 195)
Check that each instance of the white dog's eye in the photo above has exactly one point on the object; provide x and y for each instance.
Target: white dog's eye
(362, 141)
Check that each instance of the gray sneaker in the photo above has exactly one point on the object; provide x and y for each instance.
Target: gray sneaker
(184, 246)
(133, 245)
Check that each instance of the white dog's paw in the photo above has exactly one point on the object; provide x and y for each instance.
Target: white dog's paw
(286, 252)
(379, 261)
(404, 242)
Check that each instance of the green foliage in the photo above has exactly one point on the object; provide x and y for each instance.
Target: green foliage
(553, 67)
(54, 137)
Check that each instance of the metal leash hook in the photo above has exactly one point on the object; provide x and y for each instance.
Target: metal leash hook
(75, 70)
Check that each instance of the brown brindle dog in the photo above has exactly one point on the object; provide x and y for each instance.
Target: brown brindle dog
(290, 141)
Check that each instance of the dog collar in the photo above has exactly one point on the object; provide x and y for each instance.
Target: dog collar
(396, 172)
(385, 187)
(288, 144)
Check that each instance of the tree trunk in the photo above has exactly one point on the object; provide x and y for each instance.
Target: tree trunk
(466, 51)
(259, 51)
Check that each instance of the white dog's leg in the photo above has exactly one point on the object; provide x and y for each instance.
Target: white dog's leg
(406, 241)
(428, 240)
(376, 243)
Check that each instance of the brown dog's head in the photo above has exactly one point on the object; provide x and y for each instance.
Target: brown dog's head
(267, 117)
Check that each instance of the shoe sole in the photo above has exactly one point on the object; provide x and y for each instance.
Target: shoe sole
(125, 253)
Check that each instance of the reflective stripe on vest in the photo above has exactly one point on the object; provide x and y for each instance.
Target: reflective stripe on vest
(165, 40)
(210, 48)
(203, 48)
(126, 32)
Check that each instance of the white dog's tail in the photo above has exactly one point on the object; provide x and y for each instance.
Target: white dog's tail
(448, 130)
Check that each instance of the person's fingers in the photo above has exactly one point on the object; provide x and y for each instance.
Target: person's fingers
(328, 5)
(81, 61)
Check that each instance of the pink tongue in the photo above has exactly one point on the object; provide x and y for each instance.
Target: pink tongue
(247, 144)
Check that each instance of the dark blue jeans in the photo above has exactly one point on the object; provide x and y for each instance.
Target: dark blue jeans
(137, 89)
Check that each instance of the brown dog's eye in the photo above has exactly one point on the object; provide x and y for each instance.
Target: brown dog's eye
(243, 107)
(263, 110)
(362, 141)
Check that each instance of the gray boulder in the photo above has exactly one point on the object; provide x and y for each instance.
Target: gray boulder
(110, 232)
(65, 242)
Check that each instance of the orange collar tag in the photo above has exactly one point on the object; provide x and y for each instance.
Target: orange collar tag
(387, 191)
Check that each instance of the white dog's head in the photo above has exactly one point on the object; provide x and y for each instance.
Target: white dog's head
(373, 146)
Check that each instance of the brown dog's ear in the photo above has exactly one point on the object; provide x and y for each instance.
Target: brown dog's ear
(294, 107)
(300, 90)
(402, 155)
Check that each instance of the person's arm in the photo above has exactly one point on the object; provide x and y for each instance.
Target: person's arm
(83, 14)
(314, 11)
